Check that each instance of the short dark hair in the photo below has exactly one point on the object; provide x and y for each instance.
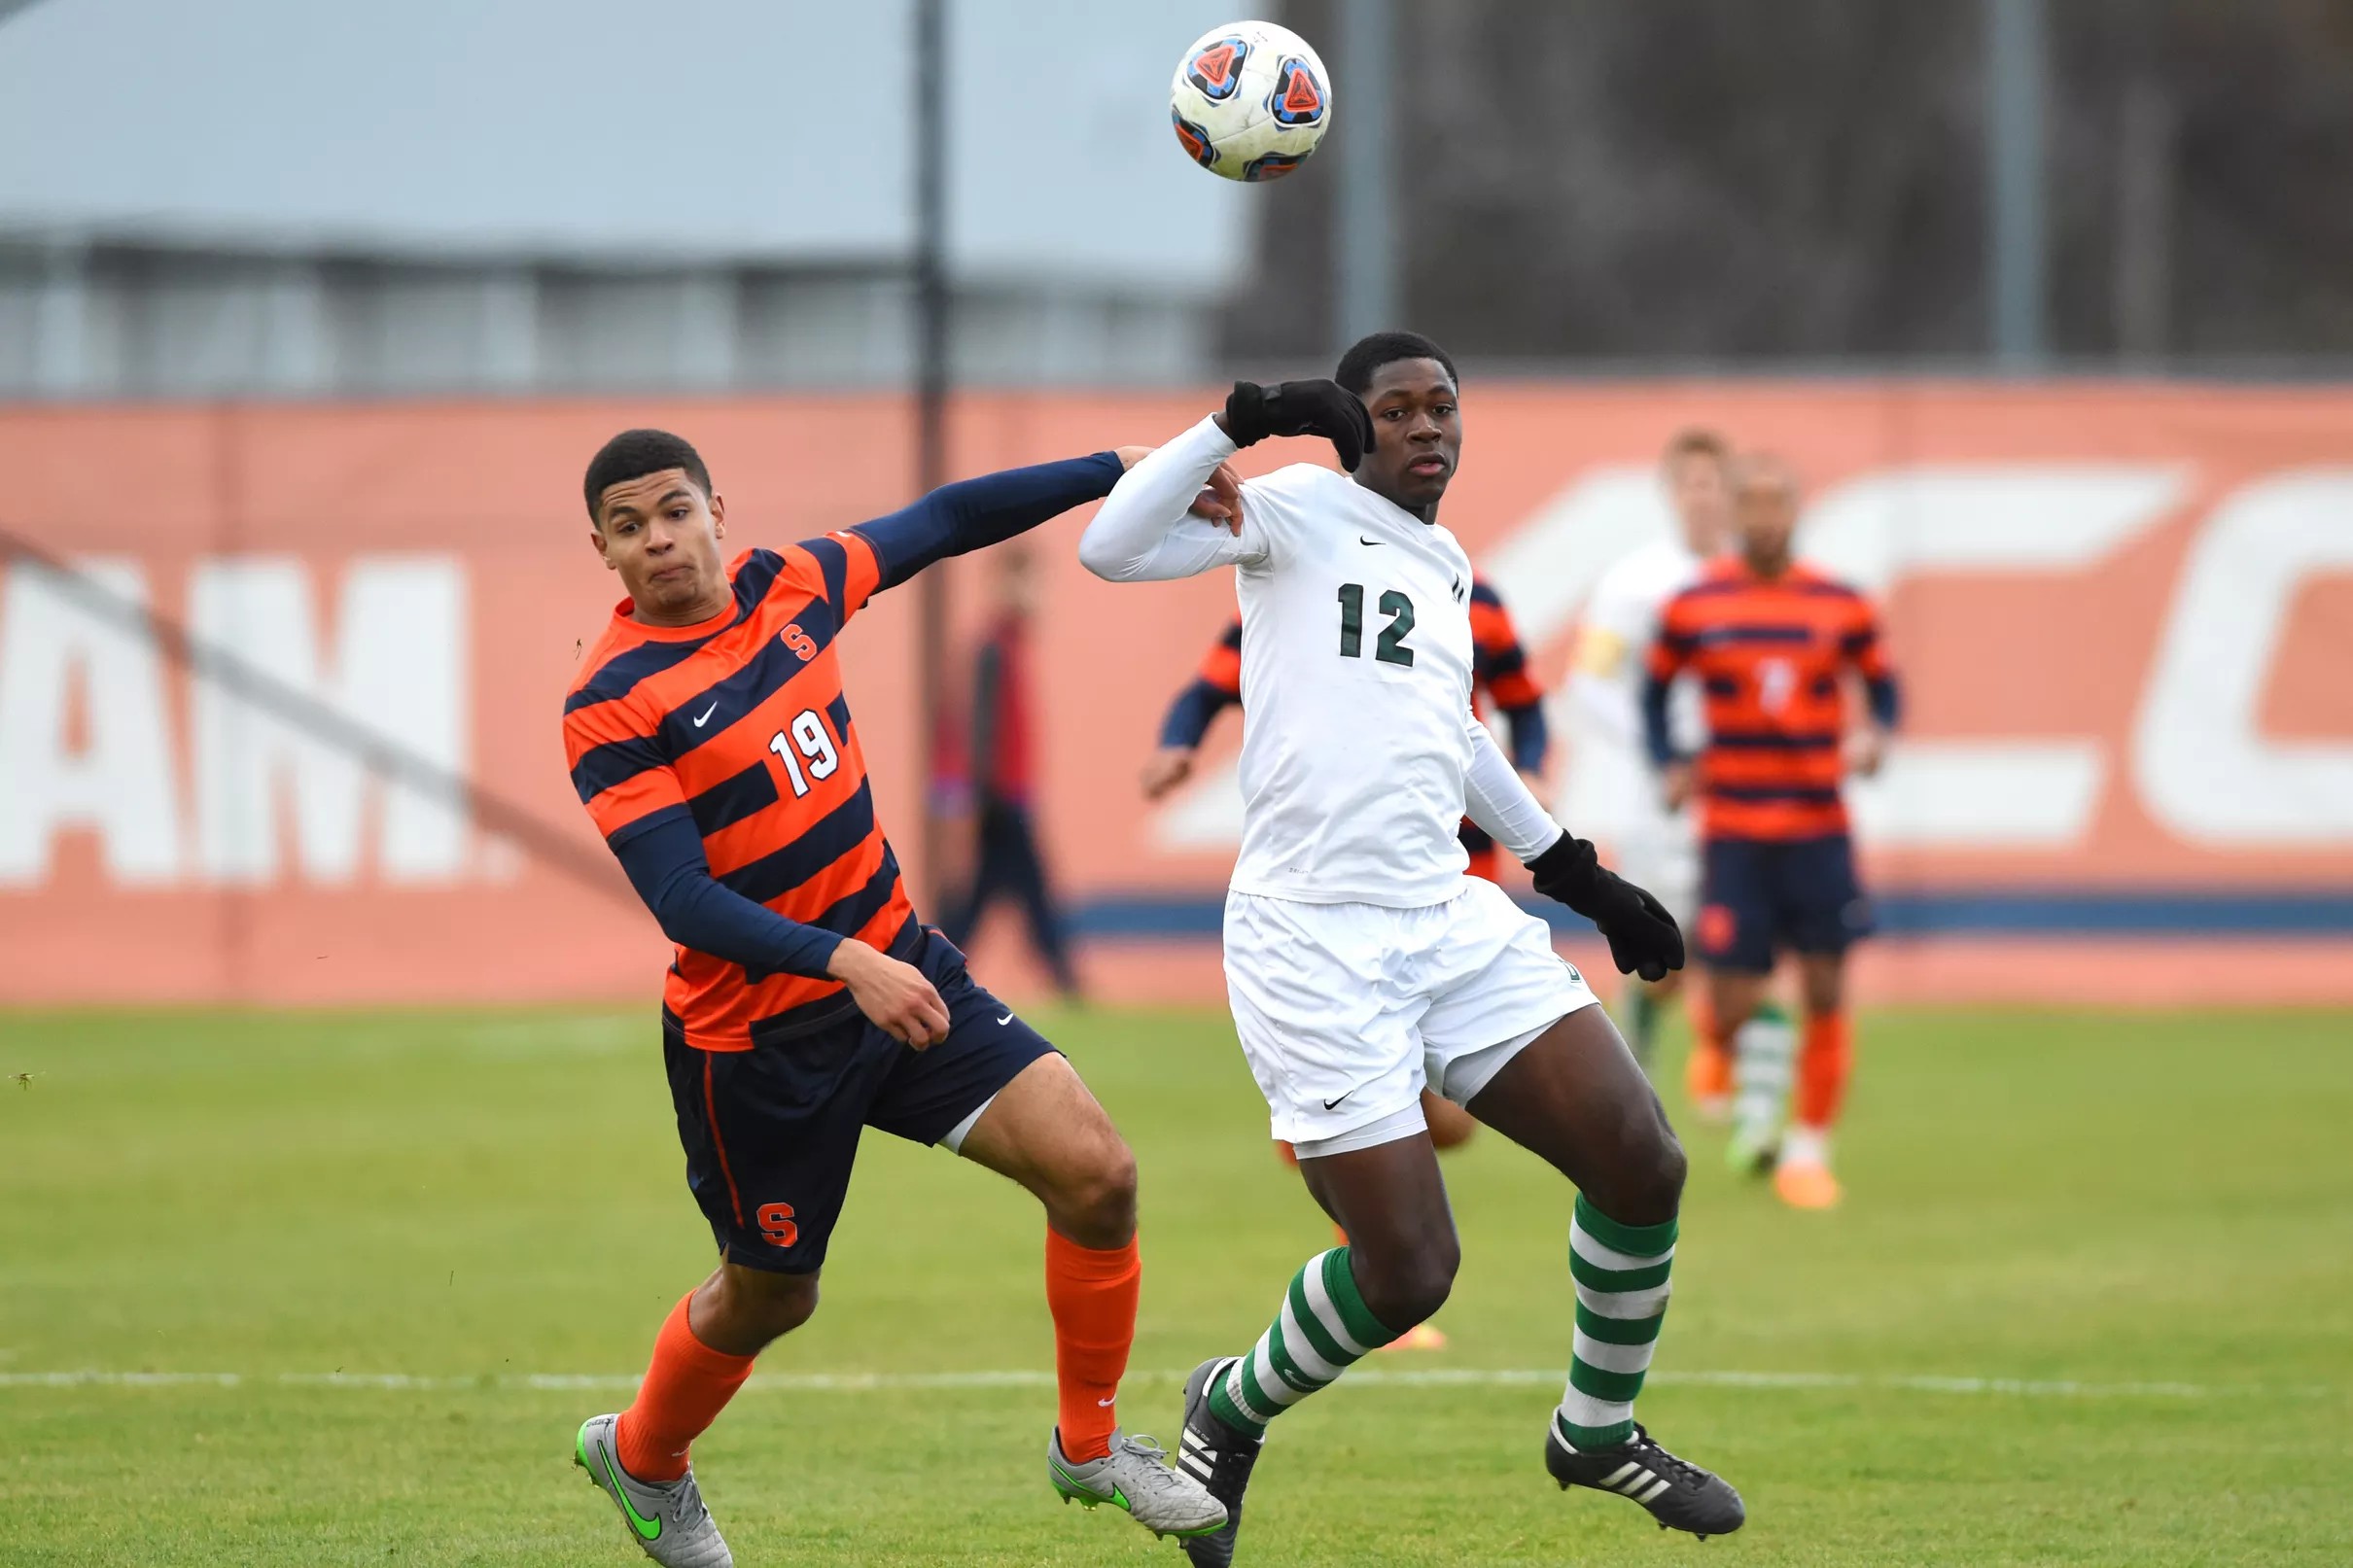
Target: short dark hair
(1698, 440)
(635, 453)
(1365, 358)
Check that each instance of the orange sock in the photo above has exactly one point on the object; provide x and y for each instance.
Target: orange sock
(1092, 1295)
(1823, 1066)
(1700, 1011)
(1707, 1074)
(684, 1389)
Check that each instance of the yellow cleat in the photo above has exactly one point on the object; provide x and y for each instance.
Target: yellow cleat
(1420, 1337)
(1805, 1185)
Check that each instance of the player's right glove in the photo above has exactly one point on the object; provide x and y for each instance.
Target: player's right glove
(1643, 939)
(1325, 409)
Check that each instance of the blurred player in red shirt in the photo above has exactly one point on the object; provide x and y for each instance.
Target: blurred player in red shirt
(709, 736)
(1773, 644)
(1004, 760)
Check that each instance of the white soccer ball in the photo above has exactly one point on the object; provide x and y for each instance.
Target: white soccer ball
(1250, 100)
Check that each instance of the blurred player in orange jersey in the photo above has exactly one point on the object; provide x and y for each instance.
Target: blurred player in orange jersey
(1773, 642)
(1499, 673)
(709, 736)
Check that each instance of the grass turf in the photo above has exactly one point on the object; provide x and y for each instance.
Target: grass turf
(472, 1199)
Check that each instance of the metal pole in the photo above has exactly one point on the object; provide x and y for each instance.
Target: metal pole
(1364, 229)
(2015, 43)
(2144, 224)
(931, 372)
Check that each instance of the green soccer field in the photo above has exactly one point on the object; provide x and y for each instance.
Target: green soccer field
(2090, 1300)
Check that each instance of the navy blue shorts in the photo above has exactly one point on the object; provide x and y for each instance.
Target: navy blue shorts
(771, 1133)
(1758, 897)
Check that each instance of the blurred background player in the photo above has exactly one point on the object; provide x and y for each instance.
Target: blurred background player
(1773, 642)
(1500, 679)
(1657, 848)
(1006, 862)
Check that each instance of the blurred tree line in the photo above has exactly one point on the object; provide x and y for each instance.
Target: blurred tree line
(1714, 180)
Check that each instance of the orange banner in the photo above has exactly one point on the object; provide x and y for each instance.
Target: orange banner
(2124, 616)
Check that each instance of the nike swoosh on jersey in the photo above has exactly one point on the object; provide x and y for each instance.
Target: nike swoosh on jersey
(1007, 1018)
(1361, 540)
(705, 717)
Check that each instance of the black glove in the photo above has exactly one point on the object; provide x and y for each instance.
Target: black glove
(1326, 408)
(1641, 935)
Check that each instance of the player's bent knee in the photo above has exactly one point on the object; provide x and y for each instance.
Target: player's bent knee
(1643, 1184)
(1405, 1290)
(749, 1309)
(1094, 1203)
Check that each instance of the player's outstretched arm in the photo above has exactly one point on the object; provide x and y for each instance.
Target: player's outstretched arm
(972, 514)
(1180, 733)
(1147, 531)
(666, 865)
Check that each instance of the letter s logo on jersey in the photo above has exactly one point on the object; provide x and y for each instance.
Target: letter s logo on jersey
(798, 641)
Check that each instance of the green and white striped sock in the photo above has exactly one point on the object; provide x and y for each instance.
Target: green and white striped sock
(1620, 1274)
(1322, 1330)
(1761, 1049)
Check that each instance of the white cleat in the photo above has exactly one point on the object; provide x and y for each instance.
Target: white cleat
(666, 1519)
(1136, 1476)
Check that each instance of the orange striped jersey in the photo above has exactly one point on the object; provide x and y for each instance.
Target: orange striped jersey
(1770, 656)
(1499, 664)
(740, 724)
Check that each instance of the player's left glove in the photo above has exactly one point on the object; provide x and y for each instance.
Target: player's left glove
(1642, 936)
(1325, 409)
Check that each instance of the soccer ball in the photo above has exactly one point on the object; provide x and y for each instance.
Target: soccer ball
(1250, 100)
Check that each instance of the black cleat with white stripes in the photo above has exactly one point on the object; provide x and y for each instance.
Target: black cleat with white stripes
(1679, 1494)
(1217, 1456)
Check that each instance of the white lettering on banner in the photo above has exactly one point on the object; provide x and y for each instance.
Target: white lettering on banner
(399, 669)
(2007, 517)
(2203, 766)
(120, 781)
(2022, 518)
(1874, 530)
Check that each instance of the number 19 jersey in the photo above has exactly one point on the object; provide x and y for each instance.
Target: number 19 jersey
(740, 725)
(1356, 670)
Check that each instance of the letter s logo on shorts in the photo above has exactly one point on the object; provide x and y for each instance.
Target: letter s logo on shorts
(777, 1225)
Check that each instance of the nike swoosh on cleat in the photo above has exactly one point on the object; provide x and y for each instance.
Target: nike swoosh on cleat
(705, 717)
(647, 1529)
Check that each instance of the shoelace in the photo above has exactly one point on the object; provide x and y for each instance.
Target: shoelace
(1145, 1447)
(1681, 1472)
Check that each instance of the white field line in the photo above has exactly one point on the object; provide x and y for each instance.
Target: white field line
(833, 1382)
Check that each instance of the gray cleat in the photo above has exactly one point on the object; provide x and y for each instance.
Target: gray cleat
(1136, 1476)
(667, 1520)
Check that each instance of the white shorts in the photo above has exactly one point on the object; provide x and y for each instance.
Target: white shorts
(1660, 853)
(1347, 1011)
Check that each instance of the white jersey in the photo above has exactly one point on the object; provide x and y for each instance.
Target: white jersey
(1359, 750)
(1620, 622)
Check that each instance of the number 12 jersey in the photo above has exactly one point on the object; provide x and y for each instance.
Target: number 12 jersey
(1356, 670)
